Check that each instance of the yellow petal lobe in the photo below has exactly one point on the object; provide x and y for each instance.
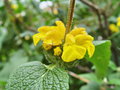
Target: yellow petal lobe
(36, 38)
(91, 49)
(77, 31)
(82, 39)
(73, 52)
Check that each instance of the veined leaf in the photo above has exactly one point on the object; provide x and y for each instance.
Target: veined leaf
(101, 57)
(37, 76)
(91, 86)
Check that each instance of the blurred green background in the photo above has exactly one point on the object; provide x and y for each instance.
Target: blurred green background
(19, 20)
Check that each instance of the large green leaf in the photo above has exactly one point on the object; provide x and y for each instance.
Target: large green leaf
(101, 57)
(37, 76)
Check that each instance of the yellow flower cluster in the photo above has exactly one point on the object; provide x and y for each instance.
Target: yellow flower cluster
(76, 44)
(114, 27)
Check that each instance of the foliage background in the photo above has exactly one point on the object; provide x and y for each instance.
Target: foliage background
(19, 20)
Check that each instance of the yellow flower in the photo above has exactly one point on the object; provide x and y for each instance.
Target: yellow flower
(113, 28)
(55, 11)
(76, 44)
(118, 23)
(51, 35)
(118, 19)
(14, 6)
(57, 51)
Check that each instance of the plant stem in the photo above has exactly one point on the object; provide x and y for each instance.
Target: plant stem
(78, 77)
(99, 12)
(70, 15)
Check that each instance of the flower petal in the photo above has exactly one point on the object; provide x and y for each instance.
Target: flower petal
(82, 39)
(77, 31)
(36, 38)
(91, 49)
(56, 34)
(44, 29)
(73, 52)
(60, 25)
(53, 37)
(69, 39)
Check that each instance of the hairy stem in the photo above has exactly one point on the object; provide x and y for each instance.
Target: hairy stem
(70, 15)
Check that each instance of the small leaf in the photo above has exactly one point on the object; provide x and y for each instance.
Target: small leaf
(37, 76)
(101, 57)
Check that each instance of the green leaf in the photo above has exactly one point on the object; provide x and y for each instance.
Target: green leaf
(114, 78)
(91, 86)
(90, 77)
(101, 57)
(3, 33)
(17, 58)
(37, 76)
(112, 66)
